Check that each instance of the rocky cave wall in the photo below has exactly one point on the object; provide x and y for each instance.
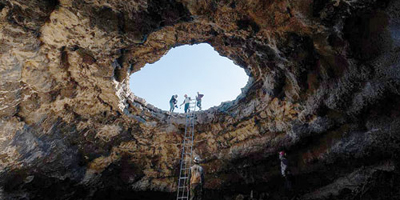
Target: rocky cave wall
(324, 86)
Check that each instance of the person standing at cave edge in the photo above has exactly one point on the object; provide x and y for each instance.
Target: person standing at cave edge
(198, 99)
(172, 103)
(196, 177)
(186, 102)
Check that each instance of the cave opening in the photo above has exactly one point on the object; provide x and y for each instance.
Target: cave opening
(189, 69)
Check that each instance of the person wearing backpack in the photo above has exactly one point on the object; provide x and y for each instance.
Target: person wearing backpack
(198, 99)
(196, 177)
(172, 103)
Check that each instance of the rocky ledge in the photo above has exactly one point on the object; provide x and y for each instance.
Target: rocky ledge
(324, 86)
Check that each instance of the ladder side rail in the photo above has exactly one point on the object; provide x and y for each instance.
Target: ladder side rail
(181, 165)
(186, 182)
(180, 182)
(182, 185)
(183, 153)
(190, 143)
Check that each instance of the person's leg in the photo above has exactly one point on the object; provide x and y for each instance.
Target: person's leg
(199, 104)
(186, 107)
(192, 192)
(200, 192)
(171, 107)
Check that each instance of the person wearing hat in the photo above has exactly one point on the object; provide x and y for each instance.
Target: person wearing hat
(196, 177)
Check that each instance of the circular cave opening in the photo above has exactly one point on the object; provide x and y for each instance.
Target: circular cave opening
(189, 69)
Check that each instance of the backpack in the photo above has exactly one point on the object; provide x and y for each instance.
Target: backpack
(195, 175)
(198, 98)
(173, 100)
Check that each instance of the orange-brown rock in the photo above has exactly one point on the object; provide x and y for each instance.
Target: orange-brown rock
(324, 86)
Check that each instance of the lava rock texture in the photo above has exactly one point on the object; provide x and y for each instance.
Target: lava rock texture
(324, 86)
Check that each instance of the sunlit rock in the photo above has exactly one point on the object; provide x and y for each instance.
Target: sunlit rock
(324, 87)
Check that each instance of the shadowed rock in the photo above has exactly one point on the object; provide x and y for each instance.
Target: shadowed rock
(324, 86)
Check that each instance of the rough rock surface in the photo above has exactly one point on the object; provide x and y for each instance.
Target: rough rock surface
(324, 86)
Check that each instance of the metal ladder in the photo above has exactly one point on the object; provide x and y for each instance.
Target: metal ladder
(183, 190)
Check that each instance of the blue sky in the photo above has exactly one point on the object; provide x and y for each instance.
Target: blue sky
(189, 69)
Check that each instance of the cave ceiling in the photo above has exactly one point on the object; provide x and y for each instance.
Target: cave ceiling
(324, 86)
